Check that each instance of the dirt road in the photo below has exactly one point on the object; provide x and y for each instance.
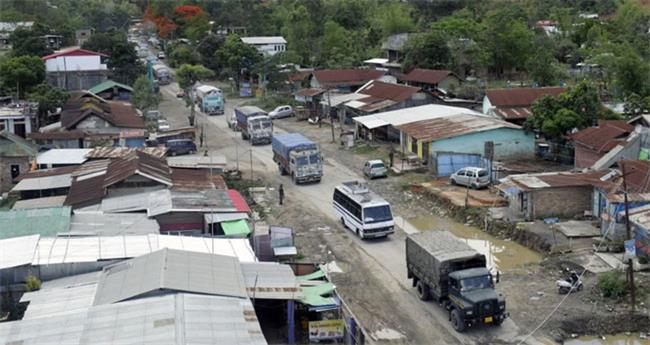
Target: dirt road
(373, 281)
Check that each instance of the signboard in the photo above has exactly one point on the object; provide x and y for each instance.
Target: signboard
(326, 330)
(642, 243)
(245, 90)
(630, 249)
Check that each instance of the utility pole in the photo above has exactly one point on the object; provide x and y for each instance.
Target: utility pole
(329, 113)
(630, 265)
(251, 163)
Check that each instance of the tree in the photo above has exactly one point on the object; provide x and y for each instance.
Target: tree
(144, 97)
(192, 21)
(429, 50)
(508, 39)
(187, 75)
(543, 68)
(633, 74)
(182, 55)
(206, 49)
(298, 29)
(237, 57)
(21, 73)
(394, 18)
(122, 60)
(636, 105)
(49, 98)
(29, 41)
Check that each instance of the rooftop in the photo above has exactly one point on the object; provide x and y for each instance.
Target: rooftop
(603, 137)
(381, 95)
(44, 221)
(47, 202)
(413, 114)
(63, 156)
(99, 224)
(119, 152)
(426, 76)
(72, 51)
(264, 40)
(12, 145)
(108, 86)
(452, 126)
(80, 106)
(344, 77)
(520, 97)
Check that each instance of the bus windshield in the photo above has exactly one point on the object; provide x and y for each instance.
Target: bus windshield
(377, 214)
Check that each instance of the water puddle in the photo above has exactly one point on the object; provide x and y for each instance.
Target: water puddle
(499, 253)
(619, 339)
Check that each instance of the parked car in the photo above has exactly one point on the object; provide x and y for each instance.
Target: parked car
(161, 55)
(375, 168)
(232, 123)
(180, 147)
(163, 125)
(281, 111)
(180, 93)
(471, 176)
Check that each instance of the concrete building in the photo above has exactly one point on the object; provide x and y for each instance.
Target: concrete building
(267, 45)
(344, 80)
(75, 69)
(17, 119)
(393, 47)
(513, 105)
(16, 156)
(82, 35)
(432, 80)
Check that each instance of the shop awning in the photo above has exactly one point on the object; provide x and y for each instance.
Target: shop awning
(313, 295)
(314, 275)
(235, 228)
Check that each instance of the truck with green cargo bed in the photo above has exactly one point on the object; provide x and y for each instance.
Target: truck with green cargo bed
(450, 272)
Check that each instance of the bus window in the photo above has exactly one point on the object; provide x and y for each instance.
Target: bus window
(377, 214)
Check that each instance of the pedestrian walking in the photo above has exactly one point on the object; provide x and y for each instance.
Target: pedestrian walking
(281, 193)
(390, 157)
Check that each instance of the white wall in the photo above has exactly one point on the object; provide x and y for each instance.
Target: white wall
(271, 49)
(487, 106)
(74, 63)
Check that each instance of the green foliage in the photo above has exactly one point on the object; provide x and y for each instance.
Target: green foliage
(207, 48)
(32, 283)
(49, 98)
(428, 50)
(633, 74)
(123, 59)
(29, 41)
(394, 18)
(187, 75)
(143, 97)
(510, 42)
(636, 105)
(21, 73)
(612, 284)
(182, 55)
(237, 56)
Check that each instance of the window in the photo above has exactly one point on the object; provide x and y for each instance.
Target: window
(348, 204)
(15, 171)
(461, 173)
(482, 173)
(377, 214)
(314, 159)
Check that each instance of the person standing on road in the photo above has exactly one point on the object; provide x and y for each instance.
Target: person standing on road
(391, 155)
(281, 193)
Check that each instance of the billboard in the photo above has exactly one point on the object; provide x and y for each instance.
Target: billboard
(326, 330)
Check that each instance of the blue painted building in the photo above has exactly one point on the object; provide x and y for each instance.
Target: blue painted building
(462, 136)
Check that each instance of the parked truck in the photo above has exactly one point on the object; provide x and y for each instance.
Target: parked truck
(210, 99)
(449, 271)
(297, 156)
(255, 124)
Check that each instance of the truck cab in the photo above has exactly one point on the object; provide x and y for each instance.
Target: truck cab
(472, 299)
(212, 104)
(306, 165)
(260, 129)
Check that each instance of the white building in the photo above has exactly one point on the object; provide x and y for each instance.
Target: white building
(75, 69)
(267, 45)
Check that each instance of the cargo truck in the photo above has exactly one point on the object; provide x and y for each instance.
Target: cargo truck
(162, 74)
(297, 156)
(449, 271)
(255, 124)
(210, 99)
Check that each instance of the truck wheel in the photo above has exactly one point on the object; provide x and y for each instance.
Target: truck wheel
(422, 290)
(343, 222)
(457, 321)
(281, 169)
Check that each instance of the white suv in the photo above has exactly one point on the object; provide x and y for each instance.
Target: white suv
(471, 176)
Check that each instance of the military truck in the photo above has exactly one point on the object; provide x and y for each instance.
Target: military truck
(450, 272)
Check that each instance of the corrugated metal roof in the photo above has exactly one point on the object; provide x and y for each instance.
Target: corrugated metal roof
(109, 85)
(452, 126)
(197, 162)
(513, 113)
(47, 202)
(238, 201)
(196, 179)
(603, 137)
(63, 156)
(427, 76)
(145, 201)
(172, 319)
(264, 40)
(117, 114)
(15, 146)
(61, 296)
(310, 92)
(42, 183)
(520, 97)
(47, 172)
(337, 99)
(223, 217)
(343, 77)
(182, 271)
(269, 280)
(86, 190)
(409, 115)
(112, 224)
(139, 163)
(56, 250)
(44, 221)
(119, 152)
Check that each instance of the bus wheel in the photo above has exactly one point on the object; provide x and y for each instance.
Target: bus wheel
(357, 231)
(343, 222)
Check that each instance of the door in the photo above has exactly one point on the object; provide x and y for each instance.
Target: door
(448, 163)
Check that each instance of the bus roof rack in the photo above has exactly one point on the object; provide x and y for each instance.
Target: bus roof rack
(356, 187)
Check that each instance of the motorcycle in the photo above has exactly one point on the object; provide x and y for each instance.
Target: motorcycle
(571, 283)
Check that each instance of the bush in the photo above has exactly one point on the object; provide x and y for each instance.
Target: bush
(32, 283)
(612, 284)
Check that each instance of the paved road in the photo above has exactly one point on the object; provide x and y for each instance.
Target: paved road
(385, 257)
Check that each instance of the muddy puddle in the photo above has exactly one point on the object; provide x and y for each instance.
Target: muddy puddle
(502, 254)
(620, 339)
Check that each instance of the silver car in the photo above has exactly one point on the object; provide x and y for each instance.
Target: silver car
(281, 111)
(471, 177)
(375, 168)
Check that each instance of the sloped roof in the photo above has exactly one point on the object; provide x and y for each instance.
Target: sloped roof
(348, 76)
(638, 175)
(47, 172)
(44, 221)
(605, 136)
(170, 269)
(387, 91)
(139, 163)
(109, 85)
(196, 179)
(452, 126)
(264, 40)
(310, 92)
(74, 51)
(427, 76)
(520, 97)
(15, 146)
(119, 152)
(514, 113)
(115, 113)
(46, 202)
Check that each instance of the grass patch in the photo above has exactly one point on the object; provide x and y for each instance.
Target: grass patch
(270, 102)
(364, 149)
(612, 284)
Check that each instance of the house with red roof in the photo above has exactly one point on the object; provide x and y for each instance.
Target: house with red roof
(592, 143)
(514, 104)
(343, 80)
(75, 68)
(432, 79)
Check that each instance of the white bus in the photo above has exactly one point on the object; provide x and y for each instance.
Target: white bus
(363, 211)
